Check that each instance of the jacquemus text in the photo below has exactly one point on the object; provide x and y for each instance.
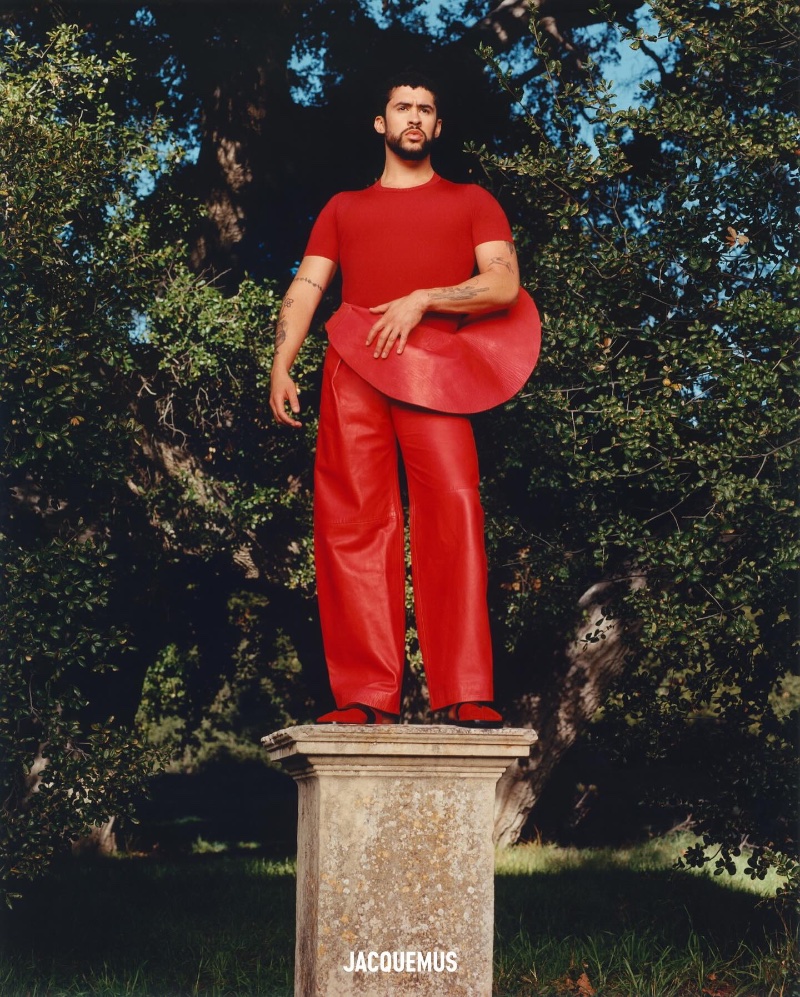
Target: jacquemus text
(401, 962)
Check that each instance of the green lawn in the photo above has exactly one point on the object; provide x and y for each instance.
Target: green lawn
(615, 923)
(624, 922)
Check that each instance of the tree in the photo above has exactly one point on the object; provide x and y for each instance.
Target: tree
(75, 264)
(655, 317)
(653, 455)
(79, 268)
(111, 353)
(283, 82)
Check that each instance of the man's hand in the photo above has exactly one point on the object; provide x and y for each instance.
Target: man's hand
(397, 319)
(305, 292)
(283, 392)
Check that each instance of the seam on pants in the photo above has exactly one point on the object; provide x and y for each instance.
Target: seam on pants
(452, 491)
(360, 522)
(336, 367)
(443, 678)
(422, 626)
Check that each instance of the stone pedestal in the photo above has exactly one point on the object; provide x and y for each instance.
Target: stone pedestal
(395, 862)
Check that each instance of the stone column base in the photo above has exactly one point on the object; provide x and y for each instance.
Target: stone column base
(395, 862)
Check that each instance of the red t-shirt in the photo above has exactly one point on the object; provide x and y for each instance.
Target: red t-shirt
(390, 241)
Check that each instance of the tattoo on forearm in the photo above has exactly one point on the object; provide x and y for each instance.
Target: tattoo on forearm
(280, 333)
(465, 293)
(313, 283)
(501, 262)
(280, 326)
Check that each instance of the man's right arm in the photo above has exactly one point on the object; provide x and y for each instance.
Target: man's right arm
(304, 295)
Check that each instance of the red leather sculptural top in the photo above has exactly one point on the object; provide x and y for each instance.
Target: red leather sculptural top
(446, 366)
(391, 241)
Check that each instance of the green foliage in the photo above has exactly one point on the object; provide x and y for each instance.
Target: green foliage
(77, 266)
(59, 776)
(654, 447)
(209, 357)
(657, 444)
(231, 490)
(200, 719)
(134, 403)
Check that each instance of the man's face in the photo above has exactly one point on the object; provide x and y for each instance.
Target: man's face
(409, 124)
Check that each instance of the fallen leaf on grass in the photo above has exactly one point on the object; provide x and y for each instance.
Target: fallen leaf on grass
(580, 987)
(716, 989)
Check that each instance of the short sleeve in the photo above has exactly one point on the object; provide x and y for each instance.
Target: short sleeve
(324, 238)
(489, 222)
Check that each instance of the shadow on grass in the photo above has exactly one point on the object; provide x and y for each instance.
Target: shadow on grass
(228, 801)
(661, 932)
(586, 901)
(202, 925)
(223, 926)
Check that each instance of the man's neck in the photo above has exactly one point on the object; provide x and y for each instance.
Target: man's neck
(399, 172)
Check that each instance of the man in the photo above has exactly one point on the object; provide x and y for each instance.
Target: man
(409, 247)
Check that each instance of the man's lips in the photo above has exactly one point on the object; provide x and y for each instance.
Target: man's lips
(413, 133)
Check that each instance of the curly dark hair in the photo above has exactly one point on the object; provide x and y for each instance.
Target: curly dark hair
(408, 77)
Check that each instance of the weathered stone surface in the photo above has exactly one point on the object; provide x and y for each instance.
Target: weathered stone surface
(395, 856)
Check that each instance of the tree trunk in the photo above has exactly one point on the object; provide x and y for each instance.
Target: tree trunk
(100, 840)
(236, 57)
(575, 688)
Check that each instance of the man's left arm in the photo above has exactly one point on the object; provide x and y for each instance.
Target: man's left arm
(496, 285)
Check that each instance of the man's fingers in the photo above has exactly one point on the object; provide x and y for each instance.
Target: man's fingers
(384, 343)
(387, 339)
(378, 335)
(284, 417)
(278, 403)
(373, 332)
(293, 398)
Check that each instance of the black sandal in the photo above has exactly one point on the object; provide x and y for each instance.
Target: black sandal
(484, 717)
(370, 716)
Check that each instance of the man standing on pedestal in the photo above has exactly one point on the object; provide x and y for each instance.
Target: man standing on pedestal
(418, 254)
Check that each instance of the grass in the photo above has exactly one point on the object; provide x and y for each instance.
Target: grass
(625, 923)
(654, 855)
(604, 922)
(210, 925)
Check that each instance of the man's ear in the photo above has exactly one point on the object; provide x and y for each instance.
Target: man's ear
(380, 124)
(437, 131)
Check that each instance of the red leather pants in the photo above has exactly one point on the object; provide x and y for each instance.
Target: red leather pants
(358, 538)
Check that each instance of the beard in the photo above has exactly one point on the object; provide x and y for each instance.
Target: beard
(415, 154)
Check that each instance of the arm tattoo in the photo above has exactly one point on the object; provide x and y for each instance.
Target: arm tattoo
(507, 263)
(456, 293)
(280, 327)
(313, 283)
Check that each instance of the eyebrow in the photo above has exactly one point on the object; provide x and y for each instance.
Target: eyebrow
(407, 103)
